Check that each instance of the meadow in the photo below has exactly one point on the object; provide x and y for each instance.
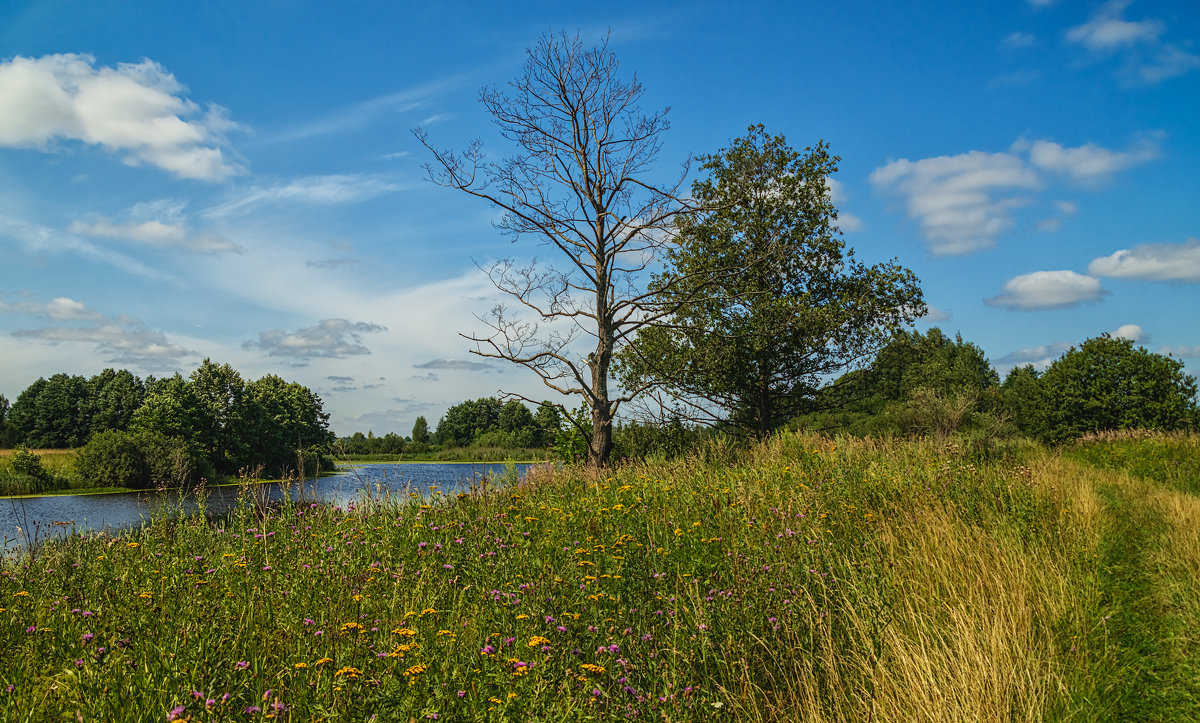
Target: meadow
(805, 579)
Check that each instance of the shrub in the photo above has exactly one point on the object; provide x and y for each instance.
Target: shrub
(141, 459)
(112, 458)
(1108, 384)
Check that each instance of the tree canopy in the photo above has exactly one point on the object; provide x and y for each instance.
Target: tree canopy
(751, 349)
(221, 423)
(1107, 383)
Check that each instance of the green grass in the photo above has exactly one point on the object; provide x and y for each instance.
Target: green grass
(1169, 459)
(805, 579)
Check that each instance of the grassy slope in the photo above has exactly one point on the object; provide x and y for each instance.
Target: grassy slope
(804, 580)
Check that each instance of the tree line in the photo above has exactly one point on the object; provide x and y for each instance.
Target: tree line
(134, 432)
(932, 384)
(483, 422)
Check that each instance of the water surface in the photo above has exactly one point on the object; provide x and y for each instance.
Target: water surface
(36, 519)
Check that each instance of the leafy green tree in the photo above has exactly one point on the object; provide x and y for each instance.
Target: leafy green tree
(752, 348)
(5, 435)
(220, 391)
(912, 360)
(548, 421)
(1022, 395)
(173, 408)
(420, 431)
(918, 383)
(467, 420)
(1107, 383)
(283, 420)
(52, 413)
(113, 397)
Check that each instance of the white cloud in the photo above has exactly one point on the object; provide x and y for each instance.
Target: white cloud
(1019, 40)
(1184, 352)
(1065, 209)
(1146, 58)
(326, 190)
(1048, 290)
(847, 222)
(935, 315)
(1088, 164)
(1132, 332)
(329, 338)
(156, 233)
(1152, 262)
(1107, 30)
(1039, 356)
(1168, 62)
(133, 108)
(961, 202)
(122, 339)
(454, 364)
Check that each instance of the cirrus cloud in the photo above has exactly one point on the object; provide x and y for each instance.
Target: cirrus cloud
(1048, 290)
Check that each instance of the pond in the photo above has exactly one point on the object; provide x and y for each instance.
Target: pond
(36, 519)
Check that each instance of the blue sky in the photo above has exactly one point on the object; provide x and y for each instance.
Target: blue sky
(238, 180)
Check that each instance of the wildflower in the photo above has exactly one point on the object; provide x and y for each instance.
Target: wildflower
(87, 637)
(241, 665)
(300, 666)
(349, 672)
(175, 712)
(134, 546)
(22, 594)
(591, 668)
(253, 709)
(416, 670)
(323, 661)
(407, 632)
(537, 640)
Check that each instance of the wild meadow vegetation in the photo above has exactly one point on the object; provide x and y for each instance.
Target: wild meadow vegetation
(806, 578)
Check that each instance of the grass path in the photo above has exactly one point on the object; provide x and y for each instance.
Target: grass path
(1148, 668)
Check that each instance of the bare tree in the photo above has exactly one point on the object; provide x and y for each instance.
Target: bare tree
(576, 182)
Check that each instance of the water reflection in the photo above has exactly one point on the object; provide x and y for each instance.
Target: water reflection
(37, 519)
